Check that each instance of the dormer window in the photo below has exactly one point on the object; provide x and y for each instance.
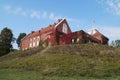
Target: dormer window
(65, 29)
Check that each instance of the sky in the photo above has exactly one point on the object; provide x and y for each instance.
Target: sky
(31, 15)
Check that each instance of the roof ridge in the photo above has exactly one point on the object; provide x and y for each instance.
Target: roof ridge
(61, 20)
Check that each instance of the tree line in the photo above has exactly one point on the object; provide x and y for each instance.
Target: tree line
(7, 39)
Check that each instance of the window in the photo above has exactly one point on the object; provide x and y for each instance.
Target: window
(65, 29)
(30, 39)
(25, 48)
(72, 40)
(37, 43)
(44, 37)
(38, 40)
(30, 45)
(34, 39)
(78, 39)
(38, 37)
(34, 42)
(48, 36)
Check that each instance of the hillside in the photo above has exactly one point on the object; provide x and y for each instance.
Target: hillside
(85, 60)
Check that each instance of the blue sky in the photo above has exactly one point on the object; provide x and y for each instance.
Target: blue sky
(31, 15)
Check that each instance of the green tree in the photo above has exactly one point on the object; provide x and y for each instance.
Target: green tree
(21, 35)
(115, 43)
(6, 39)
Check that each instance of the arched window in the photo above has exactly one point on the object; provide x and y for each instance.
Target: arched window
(65, 29)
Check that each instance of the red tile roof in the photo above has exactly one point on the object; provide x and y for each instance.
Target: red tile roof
(46, 29)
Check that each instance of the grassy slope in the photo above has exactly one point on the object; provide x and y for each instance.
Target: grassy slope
(85, 60)
(14, 74)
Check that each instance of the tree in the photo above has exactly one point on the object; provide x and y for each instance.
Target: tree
(115, 43)
(6, 39)
(21, 35)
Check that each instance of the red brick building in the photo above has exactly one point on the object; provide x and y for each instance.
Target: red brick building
(50, 34)
(77, 37)
(59, 33)
(96, 34)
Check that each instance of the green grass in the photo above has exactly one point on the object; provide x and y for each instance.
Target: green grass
(14, 74)
(20, 54)
(85, 60)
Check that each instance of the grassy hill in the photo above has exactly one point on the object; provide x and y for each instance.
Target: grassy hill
(78, 60)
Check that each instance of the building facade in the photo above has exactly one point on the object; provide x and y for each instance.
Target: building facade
(59, 33)
(48, 35)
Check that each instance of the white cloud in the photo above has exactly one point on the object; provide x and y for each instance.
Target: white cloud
(7, 8)
(11, 10)
(17, 10)
(112, 32)
(73, 20)
(44, 14)
(112, 6)
(24, 13)
(30, 13)
(51, 16)
(35, 14)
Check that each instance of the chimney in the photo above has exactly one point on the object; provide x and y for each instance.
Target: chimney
(59, 20)
(50, 25)
(54, 23)
(32, 31)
